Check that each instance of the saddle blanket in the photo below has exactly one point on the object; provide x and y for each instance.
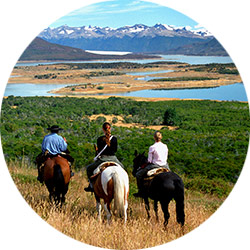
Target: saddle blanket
(155, 171)
(104, 165)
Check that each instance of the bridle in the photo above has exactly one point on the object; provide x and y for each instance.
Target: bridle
(141, 165)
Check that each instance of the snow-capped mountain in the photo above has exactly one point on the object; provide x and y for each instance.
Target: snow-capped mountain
(139, 38)
(137, 30)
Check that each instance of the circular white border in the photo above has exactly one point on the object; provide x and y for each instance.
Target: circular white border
(21, 21)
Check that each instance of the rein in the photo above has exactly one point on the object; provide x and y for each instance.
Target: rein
(144, 165)
(103, 149)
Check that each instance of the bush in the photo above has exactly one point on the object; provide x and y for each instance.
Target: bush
(170, 117)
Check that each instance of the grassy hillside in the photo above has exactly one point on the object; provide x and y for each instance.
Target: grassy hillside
(208, 149)
(78, 217)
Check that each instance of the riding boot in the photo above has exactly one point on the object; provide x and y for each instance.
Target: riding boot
(71, 172)
(140, 186)
(89, 188)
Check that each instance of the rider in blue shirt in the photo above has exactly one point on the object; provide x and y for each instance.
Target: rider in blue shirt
(53, 144)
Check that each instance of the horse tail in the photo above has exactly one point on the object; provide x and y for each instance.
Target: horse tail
(119, 194)
(58, 180)
(179, 199)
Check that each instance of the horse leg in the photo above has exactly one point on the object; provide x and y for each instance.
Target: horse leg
(125, 211)
(156, 209)
(64, 192)
(107, 208)
(164, 206)
(51, 191)
(147, 206)
(98, 209)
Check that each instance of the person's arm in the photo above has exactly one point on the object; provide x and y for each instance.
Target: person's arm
(113, 144)
(63, 144)
(150, 155)
(44, 144)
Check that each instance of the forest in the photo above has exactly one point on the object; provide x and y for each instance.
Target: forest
(207, 149)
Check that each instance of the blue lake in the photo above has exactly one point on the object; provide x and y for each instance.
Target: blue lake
(30, 89)
(234, 92)
(174, 58)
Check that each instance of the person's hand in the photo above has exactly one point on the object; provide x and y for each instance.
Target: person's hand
(64, 139)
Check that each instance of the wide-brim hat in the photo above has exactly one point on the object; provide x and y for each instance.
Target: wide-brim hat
(55, 128)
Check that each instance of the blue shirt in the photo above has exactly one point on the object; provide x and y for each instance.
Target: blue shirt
(54, 143)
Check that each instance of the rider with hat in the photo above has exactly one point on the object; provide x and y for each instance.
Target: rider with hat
(53, 144)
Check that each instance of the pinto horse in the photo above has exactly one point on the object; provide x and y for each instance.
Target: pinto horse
(56, 177)
(163, 187)
(110, 181)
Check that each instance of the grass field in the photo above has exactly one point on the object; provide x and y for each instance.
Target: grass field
(78, 217)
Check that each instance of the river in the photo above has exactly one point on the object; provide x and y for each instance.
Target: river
(233, 92)
(173, 58)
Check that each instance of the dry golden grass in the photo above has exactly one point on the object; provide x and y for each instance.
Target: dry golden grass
(78, 217)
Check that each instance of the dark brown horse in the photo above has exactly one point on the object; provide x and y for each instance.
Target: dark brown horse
(163, 187)
(111, 183)
(56, 178)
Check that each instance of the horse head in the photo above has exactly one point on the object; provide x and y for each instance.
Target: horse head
(139, 161)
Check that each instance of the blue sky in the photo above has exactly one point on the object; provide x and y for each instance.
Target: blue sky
(118, 13)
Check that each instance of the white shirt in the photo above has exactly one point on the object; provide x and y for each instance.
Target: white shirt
(158, 154)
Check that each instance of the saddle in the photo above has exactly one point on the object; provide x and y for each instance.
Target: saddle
(155, 171)
(102, 167)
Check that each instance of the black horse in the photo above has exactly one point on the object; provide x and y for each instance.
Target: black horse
(163, 187)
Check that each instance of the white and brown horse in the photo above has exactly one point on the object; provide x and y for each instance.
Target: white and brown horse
(110, 181)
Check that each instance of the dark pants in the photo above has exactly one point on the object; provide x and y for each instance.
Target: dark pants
(142, 172)
(100, 160)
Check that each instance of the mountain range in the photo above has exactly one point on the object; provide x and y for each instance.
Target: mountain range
(40, 49)
(77, 43)
(139, 38)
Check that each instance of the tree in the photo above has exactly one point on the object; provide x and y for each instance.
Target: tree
(170, 117)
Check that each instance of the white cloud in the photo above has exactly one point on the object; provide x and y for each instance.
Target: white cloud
(112, 8)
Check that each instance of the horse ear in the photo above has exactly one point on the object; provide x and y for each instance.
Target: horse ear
(136, 153)
(143, 153)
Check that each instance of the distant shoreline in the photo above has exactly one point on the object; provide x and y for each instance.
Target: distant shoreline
(111, 78)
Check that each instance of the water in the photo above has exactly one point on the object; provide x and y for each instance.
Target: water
(30, 89)
(174, 58)
(197, 59)
(233, 92)
(146, 76)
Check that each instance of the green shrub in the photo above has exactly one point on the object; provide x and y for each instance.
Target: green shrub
(170, 117)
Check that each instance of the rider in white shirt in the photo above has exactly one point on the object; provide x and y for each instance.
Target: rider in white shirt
(158, 154)
(157, 157)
